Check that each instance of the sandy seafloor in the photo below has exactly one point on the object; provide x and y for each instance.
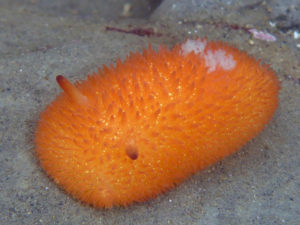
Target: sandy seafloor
(40, 39)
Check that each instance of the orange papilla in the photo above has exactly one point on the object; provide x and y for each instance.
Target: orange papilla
(152, 121)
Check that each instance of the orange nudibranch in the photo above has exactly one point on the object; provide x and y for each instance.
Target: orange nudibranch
(134, 130)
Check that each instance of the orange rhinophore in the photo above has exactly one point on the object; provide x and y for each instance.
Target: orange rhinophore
(134, 130)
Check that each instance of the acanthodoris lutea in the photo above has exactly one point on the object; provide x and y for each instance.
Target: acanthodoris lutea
(134, 130)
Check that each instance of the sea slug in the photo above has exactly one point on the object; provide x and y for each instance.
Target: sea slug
(137, 128)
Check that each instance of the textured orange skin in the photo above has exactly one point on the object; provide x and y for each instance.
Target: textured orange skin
(165, 108)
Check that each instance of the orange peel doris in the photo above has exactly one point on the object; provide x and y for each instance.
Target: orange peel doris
(137, 128)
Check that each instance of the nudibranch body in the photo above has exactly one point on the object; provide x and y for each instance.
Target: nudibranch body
(134, 130)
